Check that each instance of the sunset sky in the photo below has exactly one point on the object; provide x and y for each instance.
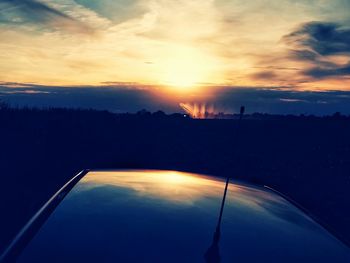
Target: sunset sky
(177, 45)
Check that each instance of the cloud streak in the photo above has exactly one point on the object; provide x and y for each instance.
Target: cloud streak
(318, 43)
(322, 38)
(319, 72)
(32, 11)
(117, 11)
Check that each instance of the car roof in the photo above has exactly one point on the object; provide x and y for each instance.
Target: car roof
(169, 216)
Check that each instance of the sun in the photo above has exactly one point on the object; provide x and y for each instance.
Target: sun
(185, 68)
(182, 73)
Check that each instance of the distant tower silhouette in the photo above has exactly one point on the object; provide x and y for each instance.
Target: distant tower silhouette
(241, 112)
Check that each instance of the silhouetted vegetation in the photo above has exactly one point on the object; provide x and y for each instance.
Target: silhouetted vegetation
(305, 157)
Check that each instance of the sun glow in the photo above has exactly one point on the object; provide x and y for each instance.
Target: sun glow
(181, 76)
(185, 68)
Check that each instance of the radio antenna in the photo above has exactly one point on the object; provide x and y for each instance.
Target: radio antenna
(212, 255)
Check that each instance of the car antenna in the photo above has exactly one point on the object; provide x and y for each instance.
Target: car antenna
(212, 255)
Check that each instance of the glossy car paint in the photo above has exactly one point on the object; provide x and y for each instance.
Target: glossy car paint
(167, 216)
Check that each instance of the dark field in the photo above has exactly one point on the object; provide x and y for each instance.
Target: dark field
(307, 159)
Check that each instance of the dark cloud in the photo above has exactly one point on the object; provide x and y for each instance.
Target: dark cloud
(32, 11)
(115, 10)
(306, 55)
(318, 72)
(266, 75)
(321, 38)
(283, 101)
(115, 98)
(131, 99)
(276, 68)
(314, 42)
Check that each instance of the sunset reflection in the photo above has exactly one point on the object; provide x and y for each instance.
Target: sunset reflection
(184, 188)
(171, 185)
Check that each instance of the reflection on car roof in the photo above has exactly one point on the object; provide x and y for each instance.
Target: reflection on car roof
(168, 216)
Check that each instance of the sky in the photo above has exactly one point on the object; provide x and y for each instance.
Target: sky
(178, 49)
